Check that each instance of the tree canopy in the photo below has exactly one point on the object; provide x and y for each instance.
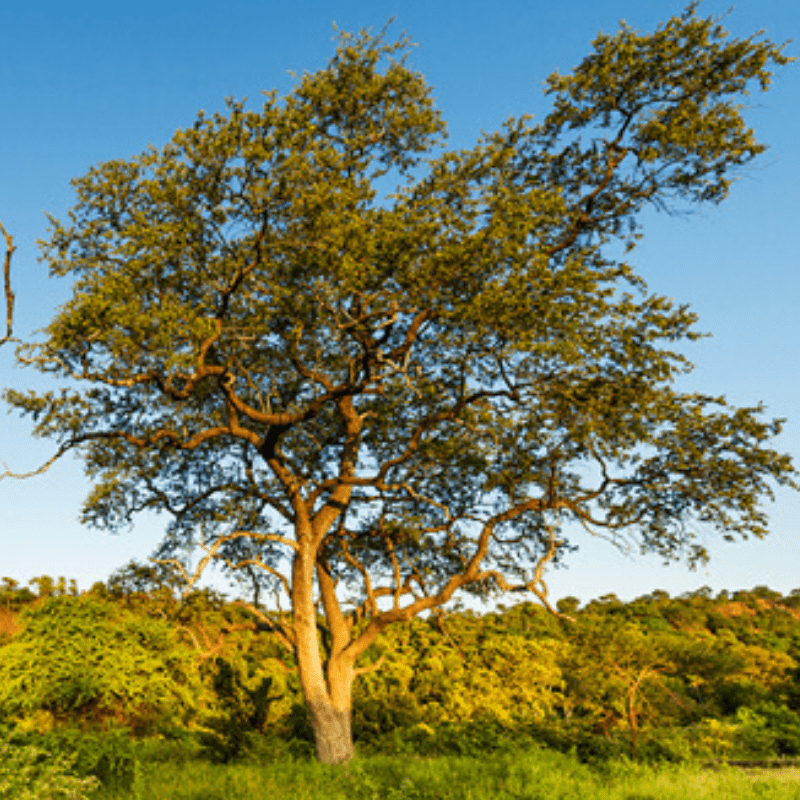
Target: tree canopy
(406, 396)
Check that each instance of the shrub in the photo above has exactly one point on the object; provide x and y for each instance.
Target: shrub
(241, 709)
(768, 730)
(753, 735)
(433, 678)
(475, 737)
(712, 738)
(83, 659)
(107, 756)
(29, 773)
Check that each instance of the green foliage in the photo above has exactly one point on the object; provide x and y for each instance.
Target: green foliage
(47, 587)
(531, 773)
(242, 710)
(30, 773)
(793, 688)
(464, 681)
(452, 674)
(11, 598)
(84, 658)
(154, 580)
(767, 730)
(477, 736)
(106, 755)
(457, 684)
(410, 397)
(176, 746)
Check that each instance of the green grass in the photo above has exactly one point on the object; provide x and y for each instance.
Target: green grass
(159, 769)
(529, 776)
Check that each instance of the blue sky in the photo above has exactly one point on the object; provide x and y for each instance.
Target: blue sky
(86, 82)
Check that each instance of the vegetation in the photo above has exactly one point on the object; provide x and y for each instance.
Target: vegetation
(26, 773)
(132, 692)
(361, 402)
(530, 775)
(121, 666)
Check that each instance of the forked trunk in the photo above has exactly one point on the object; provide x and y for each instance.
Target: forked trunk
(327, 702)
(326, 690)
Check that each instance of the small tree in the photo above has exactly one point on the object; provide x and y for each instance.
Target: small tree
(150, 580)
(410, 398)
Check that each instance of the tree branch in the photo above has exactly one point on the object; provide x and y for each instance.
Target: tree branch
(10, 248)
(284, 632)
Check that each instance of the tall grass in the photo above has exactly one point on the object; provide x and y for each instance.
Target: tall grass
(532, 775)
(180, 770)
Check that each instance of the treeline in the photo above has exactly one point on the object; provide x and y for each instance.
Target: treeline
(695, 676)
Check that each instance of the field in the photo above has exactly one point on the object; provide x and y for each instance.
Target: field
(539, 775)
(68, 766)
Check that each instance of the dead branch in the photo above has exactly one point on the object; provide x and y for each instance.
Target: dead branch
(7, 280)
(210, 649)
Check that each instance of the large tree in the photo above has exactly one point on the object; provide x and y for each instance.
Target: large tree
(378, 402)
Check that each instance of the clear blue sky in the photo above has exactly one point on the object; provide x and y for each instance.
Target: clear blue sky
(86, 82)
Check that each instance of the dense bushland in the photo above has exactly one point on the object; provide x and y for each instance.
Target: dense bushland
(657, 679)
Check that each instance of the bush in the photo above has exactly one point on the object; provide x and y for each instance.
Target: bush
(433, 677)
(174, 747)
(785, 725)
(30, 773)
(665, 745)
(753, 735)
(768, 730)
(107, 756)
(593, 748)
(121, 667)
(472, 738)
(241, 707)
(296, 731)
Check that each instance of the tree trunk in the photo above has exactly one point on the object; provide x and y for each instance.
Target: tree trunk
(332, 734)
(329, 709)
(328, 702)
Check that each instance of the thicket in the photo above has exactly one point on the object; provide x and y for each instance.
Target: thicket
(659, 678)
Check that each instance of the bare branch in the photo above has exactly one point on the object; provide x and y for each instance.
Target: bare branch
(371, 668)
(354, 562)
(211, 552)
(190, 582)
(360, 611)
(537, 585)
(210, 650)
(284, 632)
(46, 466)
(10, 248)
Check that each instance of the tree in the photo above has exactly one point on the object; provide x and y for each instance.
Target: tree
(618, 675)
(398, 400)
(156, 580)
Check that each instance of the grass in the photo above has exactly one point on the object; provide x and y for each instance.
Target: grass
(159, 769)
(533, 775)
